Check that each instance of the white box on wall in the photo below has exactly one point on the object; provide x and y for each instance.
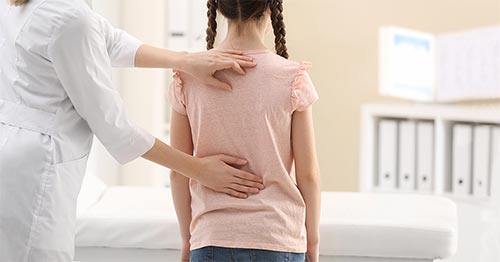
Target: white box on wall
(444, 68)
(406, 63)
(468, 65)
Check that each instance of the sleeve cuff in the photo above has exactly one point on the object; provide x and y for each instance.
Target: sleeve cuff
(130, 46)
(140, 143)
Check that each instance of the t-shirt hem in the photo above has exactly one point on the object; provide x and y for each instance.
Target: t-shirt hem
(251, 245)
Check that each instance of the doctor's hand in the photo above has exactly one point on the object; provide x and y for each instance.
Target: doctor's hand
(203, 65)
(217, 173)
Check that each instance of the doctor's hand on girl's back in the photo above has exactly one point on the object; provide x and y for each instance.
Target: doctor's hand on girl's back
(215, 172)
(201, 65)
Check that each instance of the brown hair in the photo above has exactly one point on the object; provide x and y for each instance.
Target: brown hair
(18, 2)
(245, 10)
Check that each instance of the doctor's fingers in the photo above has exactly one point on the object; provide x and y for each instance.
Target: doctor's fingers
(240, 176)
(248, 183)
(244, 189)
(212, 81)
(237, 57)
(244, 61)
(232, 64)
(243, 175)
(234, 193)
(235, 54)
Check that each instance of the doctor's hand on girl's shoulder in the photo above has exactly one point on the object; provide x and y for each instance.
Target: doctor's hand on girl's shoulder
(203, 65)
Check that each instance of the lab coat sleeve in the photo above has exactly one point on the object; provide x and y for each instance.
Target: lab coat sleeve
(82, 63)
(121, 46)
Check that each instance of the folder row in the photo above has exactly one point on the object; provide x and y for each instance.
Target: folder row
(405, 155)
(475, 155)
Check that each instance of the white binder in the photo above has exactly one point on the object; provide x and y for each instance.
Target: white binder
(494, 176)
(481, 160)
(462, 159)
(425, 156)
(387, 154)
(407, 155)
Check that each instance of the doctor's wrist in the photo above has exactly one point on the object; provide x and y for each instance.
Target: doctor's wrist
(194, 168)
(180, 61)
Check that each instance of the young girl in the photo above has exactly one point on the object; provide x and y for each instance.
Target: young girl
(266, 119)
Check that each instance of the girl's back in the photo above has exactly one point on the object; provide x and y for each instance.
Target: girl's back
(253, 121)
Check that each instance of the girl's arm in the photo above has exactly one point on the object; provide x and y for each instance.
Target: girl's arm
(180, 137)
(201, 65)
(308, 178)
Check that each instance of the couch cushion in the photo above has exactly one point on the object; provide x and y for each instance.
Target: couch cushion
(352, 224)
(130, 217)
(388, 225)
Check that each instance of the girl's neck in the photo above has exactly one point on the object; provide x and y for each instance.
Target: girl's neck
(247, 36)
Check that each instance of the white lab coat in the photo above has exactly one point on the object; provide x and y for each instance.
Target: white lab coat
(55, 94)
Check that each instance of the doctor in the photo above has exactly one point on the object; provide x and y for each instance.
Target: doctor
(55, 94)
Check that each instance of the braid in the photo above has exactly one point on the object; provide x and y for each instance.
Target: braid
(212, 23)
(278, 27)
(18, 2)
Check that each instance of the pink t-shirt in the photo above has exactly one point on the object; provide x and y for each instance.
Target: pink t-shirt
(253, 121)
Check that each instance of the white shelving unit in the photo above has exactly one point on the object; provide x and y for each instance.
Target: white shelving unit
(479, 217)
(443, 117)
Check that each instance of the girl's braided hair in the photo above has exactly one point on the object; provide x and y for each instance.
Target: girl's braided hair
(245, 10)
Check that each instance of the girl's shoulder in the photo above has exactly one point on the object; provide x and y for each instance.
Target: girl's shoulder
(286, 67)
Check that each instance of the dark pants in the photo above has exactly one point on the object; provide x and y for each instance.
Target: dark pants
(222, 254)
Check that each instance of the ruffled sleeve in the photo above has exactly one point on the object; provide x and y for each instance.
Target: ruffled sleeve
(176, 96)
(303, 92)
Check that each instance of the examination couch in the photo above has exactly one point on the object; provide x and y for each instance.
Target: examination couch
(130, 224)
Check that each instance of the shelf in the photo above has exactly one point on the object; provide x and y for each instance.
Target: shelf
(443, 117)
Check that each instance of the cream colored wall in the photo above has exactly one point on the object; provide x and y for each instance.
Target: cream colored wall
(340, 38)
